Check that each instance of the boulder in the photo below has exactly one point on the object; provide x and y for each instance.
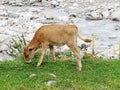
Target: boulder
(54, 3)
(94, 16)
(115, 16)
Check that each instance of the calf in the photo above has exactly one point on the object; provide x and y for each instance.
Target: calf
(54, 35)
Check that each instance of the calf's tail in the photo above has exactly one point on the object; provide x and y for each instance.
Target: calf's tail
(85, 40)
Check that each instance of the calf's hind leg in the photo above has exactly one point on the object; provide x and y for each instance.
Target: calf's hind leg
(73, 46)
(53, 53)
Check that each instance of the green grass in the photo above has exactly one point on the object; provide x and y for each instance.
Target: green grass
(96, 75)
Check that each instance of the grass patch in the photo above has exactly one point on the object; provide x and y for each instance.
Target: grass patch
(96, 75)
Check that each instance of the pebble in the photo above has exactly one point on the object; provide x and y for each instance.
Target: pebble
(32, 75)
(49, 83)
(64, 18)
(53, 75)
(49, 17)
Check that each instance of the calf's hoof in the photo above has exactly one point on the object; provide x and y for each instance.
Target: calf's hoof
(79, 69)
(38, 64)
(54, 61)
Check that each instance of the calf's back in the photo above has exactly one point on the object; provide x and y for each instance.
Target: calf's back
(56, 34)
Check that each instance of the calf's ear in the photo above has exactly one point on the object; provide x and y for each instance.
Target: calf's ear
(25, 47)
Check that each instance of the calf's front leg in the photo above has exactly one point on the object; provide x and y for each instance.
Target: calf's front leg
(44, 48)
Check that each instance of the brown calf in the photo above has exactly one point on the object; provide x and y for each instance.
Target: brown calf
(54, 35)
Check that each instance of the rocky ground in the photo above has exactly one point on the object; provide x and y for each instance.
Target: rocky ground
(98, 17)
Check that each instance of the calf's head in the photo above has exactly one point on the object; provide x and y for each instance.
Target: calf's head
(28, 53)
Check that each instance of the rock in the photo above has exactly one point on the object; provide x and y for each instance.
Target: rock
(92, 1)
(32, 75)
(26, 17)
(18, 3)
(75, 5)
(49, 17)
(115, 16)
(73, 15)
(32, 1)
(94, 16)
(53, 75)
(60, 0)
(49, 83)
(112, 37)
(12, 15)
(12, 2)
(3, 13)
(110, 45)
(54, 3)
(117, 28)
(106, 14)
(64, 18)
(5, 2)
(40, 0)
(4, 57)
(113, 57)
(10, 23)
(3, 18)
(3, 38)
(72, 7)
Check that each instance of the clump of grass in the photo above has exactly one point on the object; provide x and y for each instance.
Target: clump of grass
(16, 46)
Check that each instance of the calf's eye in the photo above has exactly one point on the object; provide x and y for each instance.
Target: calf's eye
(30, 49)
